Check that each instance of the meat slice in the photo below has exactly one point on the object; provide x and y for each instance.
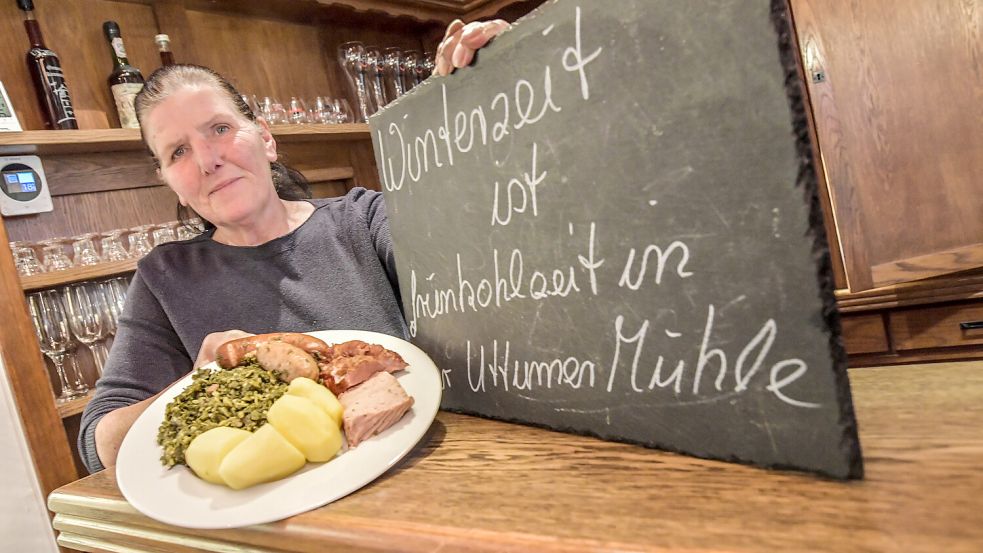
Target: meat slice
(353, 362)
(347, 372)
(390, 359)
(373, 406)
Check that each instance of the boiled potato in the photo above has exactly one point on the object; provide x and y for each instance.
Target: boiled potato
(262, 457)
(205, 453)
(306, 426)
(321, 396)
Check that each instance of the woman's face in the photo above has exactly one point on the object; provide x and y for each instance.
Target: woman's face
(215, 159)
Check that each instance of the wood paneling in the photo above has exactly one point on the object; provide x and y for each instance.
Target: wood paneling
(864, 334)
(96, 212)
(897, 116)
(936, 327)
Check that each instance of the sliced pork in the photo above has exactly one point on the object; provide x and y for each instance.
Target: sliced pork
(354, 362)
(373, 406)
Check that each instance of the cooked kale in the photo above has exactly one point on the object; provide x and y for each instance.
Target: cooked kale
(238, 397)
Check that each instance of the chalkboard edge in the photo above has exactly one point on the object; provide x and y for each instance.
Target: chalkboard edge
(808, 181)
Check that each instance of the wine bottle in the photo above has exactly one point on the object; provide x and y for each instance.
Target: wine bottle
(125, 80)
(164, 47)
(49, 81)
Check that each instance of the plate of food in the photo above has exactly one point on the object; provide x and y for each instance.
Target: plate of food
(280, 424)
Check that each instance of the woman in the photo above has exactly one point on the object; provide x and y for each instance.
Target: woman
(266, 263)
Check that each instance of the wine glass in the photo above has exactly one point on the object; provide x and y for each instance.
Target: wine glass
(351, 55)
(298, 111)
(114, 293)
(26, 259)
(85, 250)
(140, 241)
(344, 110)
(53, 255)
(112, 247)
(84, 307)
(376, 68)
(410, 59)
(55, 338)
(427, 65)
(392, 60)
(162, 235)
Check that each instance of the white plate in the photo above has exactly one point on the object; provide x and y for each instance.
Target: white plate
(176, 496)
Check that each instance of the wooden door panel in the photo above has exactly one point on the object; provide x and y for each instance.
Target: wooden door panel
(896, 88)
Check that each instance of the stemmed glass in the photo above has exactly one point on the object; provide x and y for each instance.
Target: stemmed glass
(351, 55)
(55, 338)
(26, 259)
(84, 306)
(85, 250)
(376, 68)
(112, 247)
(410, 58)
(344, 110)
(427, 65)
(140, 241)
(392, 60)
(114, 291)
(53, 254)
(162, 235)
(298, 111)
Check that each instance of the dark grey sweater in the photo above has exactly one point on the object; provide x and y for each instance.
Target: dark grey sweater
(335, 271)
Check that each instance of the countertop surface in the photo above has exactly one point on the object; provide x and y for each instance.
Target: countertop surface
(474, 484)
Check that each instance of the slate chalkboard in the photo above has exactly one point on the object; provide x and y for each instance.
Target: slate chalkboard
(603, 227)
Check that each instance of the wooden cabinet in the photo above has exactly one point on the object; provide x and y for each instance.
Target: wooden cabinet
(896, 89)
(896, 96)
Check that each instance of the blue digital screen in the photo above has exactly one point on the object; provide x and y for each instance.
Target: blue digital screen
(20, 182)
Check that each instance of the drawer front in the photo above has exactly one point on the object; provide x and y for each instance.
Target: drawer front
(936, 327)
(864, 334)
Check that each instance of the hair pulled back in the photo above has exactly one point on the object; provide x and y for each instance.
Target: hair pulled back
(289, 183)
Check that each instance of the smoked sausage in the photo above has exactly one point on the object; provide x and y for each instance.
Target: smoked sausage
(233, 352)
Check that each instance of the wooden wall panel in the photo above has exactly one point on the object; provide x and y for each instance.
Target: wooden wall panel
(261, 56)
(96, 212)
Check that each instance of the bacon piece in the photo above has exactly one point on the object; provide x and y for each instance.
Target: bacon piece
(354, 362)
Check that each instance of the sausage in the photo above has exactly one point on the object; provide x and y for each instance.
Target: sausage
(233, 352)
(286, 361)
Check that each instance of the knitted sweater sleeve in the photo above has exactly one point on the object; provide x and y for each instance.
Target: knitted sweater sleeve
(146, 357)
(371, 207)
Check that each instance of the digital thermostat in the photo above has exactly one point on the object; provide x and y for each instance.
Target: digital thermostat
(23, 185)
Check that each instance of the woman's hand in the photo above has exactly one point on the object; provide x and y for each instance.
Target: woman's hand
(211, 343)
(462, 41)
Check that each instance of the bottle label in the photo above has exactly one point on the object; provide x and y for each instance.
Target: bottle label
(117, 43)
(124, 94)
(63, 115)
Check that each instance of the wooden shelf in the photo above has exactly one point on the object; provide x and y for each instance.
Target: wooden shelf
(121, 140)
(77, 274)
(74, 406)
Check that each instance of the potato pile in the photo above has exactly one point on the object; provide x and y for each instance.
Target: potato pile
(303, 425)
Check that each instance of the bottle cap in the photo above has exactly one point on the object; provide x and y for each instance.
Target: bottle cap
(162, 38)
(26, 5)
(111, 28)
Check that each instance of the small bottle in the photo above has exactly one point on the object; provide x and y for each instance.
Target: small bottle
(125, 80)
(49, 81)
(164, 47)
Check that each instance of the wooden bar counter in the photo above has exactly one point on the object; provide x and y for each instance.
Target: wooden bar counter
(479, 485)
